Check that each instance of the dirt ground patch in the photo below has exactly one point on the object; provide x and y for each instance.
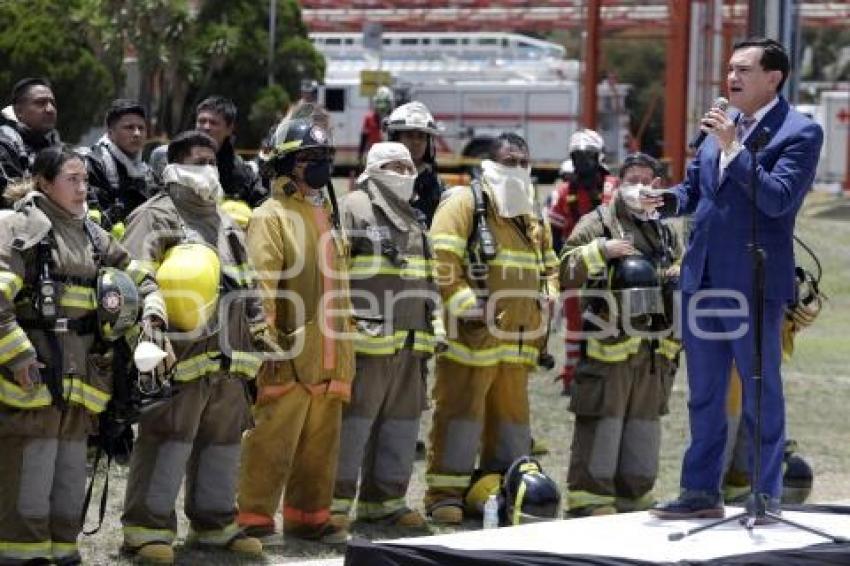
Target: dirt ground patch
(817, 388)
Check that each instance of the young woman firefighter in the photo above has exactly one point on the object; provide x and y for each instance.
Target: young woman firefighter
(625, 262)
(297, 245)
(67, 289)
(215, 318)
(395, 305)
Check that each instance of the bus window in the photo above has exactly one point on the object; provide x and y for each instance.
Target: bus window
(335, 99)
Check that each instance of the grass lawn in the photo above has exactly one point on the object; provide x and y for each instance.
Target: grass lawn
(817, 382)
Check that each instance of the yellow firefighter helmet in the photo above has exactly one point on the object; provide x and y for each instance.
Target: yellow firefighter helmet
(189, 278)
(238, 210)
(480, 491)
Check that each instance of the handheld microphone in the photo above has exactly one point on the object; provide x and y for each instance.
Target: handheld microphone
(721, 104)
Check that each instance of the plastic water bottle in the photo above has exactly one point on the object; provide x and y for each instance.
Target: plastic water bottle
(491, 513)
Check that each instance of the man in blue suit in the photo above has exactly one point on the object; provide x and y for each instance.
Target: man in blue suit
(717, 271)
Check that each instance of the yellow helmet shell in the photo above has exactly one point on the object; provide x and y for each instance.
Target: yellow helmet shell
(480, 492)
(238, 210)
(189, 278)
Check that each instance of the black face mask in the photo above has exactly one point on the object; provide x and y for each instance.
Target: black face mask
(586, 163)
(317, 173)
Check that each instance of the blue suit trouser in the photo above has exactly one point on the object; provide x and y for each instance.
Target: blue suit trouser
(714, 335)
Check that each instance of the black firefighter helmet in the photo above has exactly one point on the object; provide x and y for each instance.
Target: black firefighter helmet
(797, 477)
(290, 137)
(530, 495)
(636, 286)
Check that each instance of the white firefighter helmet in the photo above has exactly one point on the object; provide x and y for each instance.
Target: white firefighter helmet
(383, 100)
(412, 116)
(587, 140)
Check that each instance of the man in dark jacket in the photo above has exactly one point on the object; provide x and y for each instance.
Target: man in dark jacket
(27, 126)
(216, 117)
(119, 181)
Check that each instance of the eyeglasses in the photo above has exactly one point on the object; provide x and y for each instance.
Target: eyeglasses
(202, 161)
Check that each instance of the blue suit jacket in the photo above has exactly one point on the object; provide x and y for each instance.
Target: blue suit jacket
(722, 207)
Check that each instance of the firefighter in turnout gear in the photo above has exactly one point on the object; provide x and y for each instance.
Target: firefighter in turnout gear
(119, 181)
(393, 294)
(589, 185)
(412, 125)
(55, 361)
(371, 132)
(197, 432)
(216, 116)
(27, 126)
(298, 246)
(496, 270)
(623, 380)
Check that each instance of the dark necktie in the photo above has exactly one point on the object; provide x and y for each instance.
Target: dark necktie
(743, 125)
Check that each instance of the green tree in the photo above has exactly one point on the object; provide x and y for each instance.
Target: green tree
(38, 39)
(187, 51)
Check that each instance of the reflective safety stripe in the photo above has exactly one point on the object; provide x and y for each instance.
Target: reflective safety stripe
(578, 499)
(376, 510)
(64, 549)
(242, 274)
(305, 517)
(341, 505)
(449, 243)
(77, 391)
(154, 304)
(245, 363)
(550, 259)
(503, 353)
(392, 343)
(195, 367)
(461, 301)
(146, 264)
(443, 480)
(669, 348)
(25, 550)
(14, 395)
(413, 268)
(219, 537)
(246, 519)
(592, 256)
(137, 270)
(75, 296)
(617, 352)
(138, 536)
(641, 503)
(14, 344)
(734, 492)
(10, 285)
(270, 392)
(517, 259)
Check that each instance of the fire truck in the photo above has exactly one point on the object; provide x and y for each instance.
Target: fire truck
(477, 85)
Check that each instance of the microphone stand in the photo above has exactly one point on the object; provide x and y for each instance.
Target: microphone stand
(756, 507)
